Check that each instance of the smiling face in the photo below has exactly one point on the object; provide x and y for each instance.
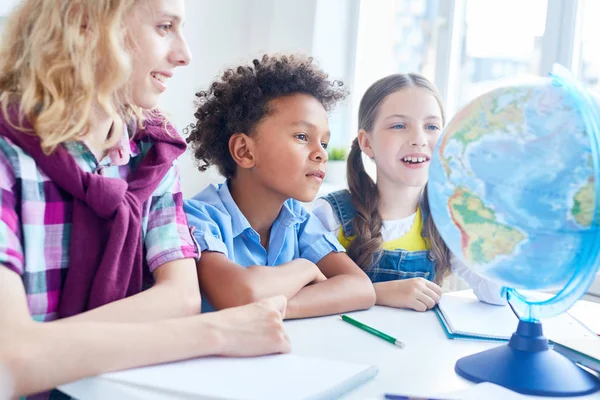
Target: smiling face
(157, 46)
(288, 147)
(407, 127)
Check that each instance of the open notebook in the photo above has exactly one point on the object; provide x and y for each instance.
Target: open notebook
(583, 351)
(464, 317)
(270, 377)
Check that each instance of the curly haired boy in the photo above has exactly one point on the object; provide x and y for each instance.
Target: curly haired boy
(265, 127)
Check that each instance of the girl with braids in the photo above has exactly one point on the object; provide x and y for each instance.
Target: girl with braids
(385, 226)
(97, 263)
(265, 126)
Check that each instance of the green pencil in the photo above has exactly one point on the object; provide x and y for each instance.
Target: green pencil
(373, 331)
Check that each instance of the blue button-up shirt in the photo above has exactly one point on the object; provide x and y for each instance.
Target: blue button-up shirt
(220, 226)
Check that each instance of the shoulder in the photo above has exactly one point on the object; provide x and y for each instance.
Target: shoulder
(339, 197)
(207, 203)
(323, 210)
(16, 162)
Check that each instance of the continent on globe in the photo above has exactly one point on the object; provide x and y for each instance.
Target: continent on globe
(491, 117)
(483, 238)
(583, 204)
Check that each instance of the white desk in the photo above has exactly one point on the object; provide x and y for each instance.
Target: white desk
(425, 365)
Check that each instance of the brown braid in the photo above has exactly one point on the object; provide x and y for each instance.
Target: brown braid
(365, 249)
(439, 251)
(367, 223)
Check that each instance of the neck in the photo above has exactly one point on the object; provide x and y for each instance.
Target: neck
(259, 204)
(397, 201)
(100, 134)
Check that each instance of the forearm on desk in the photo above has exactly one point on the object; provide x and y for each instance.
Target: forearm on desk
(227, 284)
(337, 294)
(32, 352)
(386, 294)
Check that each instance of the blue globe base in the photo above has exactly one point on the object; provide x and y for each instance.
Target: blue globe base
(527, 365)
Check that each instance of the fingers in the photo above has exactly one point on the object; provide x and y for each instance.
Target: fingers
(434, 287)
(426, 295)
(278, 303)
(418, 305)
(434, 296)
(279, 335)
(426, 300)
(286, 345)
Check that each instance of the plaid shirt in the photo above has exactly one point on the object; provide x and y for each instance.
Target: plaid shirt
(36, 216)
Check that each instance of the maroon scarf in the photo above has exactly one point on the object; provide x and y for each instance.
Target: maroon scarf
(106, 253)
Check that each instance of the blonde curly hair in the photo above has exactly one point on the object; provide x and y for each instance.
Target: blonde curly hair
(59, 58)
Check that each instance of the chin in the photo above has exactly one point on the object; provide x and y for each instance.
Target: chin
(417, 183)
(146, 102)
(306, 197)
(412, 182)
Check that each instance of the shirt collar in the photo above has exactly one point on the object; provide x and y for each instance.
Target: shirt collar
(287, 217)
(119, 154)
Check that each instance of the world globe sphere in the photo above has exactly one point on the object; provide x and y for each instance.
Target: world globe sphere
(512, 187)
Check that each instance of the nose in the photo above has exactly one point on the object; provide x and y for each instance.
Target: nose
(181, 54)
(319, 154)
(418, 138)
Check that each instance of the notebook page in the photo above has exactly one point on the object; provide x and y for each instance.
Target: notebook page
(270, 377)
(466, 315)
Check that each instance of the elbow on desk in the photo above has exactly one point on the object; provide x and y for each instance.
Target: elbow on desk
(371, 297)
(367, 294)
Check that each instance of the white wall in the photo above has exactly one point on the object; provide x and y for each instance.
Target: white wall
(6, 6)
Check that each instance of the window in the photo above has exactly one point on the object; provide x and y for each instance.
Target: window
(589, 66)
(394, 36)
(499, 44)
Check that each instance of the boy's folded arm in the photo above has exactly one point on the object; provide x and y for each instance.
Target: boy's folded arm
(227, 284)
(347, 288)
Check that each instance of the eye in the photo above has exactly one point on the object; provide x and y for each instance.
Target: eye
(399, 126)
(432, 127)
(301, 136)
(324, 145)
(165, 28)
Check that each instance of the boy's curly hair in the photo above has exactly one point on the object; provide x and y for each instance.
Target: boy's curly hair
(240, 99)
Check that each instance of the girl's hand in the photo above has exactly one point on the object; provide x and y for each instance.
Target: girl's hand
(418, 294)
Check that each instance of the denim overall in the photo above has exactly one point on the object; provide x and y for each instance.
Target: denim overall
(393, 264)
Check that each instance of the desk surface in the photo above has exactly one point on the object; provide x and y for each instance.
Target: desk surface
(425, 366)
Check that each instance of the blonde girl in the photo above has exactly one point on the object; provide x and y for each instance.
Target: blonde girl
(97, 265)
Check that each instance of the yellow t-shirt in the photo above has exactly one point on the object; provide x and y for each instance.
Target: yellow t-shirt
(410, 241)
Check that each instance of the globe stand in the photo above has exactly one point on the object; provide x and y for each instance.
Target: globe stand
(527, 365)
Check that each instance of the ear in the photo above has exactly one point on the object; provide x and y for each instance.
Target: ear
(241, 148)
(365, 143)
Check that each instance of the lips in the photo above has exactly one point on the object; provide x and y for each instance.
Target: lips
(416, 158)
(318, 174)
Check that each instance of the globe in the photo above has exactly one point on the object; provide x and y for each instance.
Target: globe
(513, 184)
